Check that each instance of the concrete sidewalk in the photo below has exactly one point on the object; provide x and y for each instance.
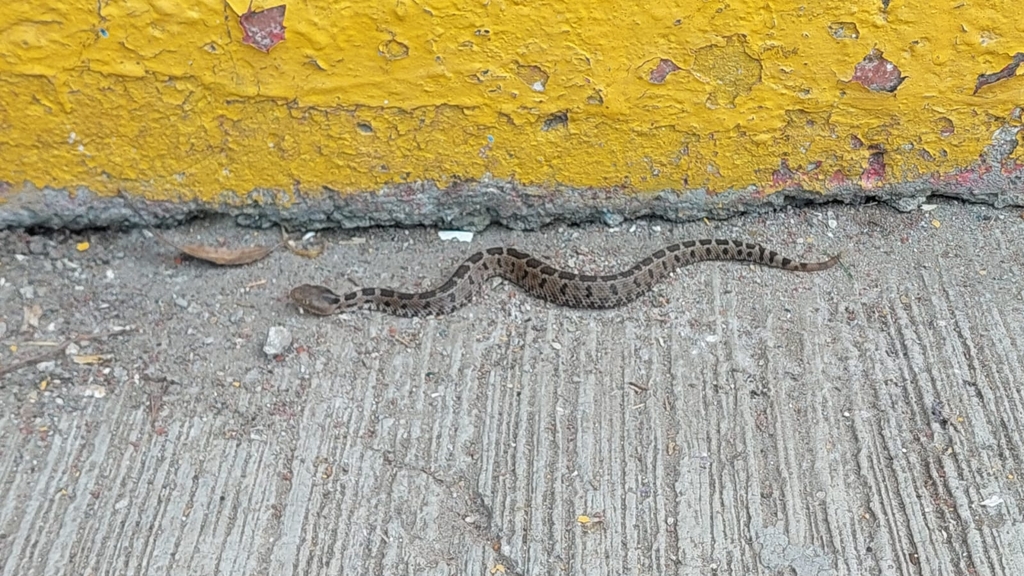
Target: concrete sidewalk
(863, 420)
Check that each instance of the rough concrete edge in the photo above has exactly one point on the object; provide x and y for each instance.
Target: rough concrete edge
(477, 204)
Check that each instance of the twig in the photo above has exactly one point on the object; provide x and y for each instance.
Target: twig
(59, 349)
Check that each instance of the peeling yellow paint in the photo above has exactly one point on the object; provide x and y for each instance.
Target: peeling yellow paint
(162, 98)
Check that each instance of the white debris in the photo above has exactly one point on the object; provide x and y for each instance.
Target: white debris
(278, 341)
(458, 235)
(992, 501)
(92, 391)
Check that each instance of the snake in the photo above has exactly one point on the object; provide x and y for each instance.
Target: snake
(541, 280)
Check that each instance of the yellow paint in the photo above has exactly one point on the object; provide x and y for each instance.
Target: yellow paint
(160, 97)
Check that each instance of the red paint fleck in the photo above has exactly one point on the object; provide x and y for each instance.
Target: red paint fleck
(1011, 167)
(874, 174)
(877, 74)
(784, 175)
(263, 29)
(662, 70)
(1007, 71)
(837, 179)
(966, 178)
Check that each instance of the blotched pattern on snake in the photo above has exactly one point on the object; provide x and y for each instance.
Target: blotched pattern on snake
(539, 279)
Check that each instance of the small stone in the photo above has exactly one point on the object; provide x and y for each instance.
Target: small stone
(251, 377)
(92, 391)
(120, 373)
(3, 329)
(612, 219)
(72, 349)
(46, 367)
(28, 292)
(37, 245)
(181, 302)
(278, 340)
(237, 316)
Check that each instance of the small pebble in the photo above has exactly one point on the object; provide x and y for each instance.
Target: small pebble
(181, 302)
(46, 367)
(3, 329)
(92, 391)
(251, 377)
(27, 292)
(37, 245)
(278, 340)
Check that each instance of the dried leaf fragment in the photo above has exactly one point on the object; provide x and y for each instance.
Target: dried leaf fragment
(218, 255)
(227, 256)
(213, 254)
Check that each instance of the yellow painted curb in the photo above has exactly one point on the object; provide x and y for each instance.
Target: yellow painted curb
(164, 99)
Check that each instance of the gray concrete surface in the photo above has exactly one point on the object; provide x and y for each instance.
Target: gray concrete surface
(863, 420)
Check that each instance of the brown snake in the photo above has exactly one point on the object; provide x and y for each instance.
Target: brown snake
(543, 281)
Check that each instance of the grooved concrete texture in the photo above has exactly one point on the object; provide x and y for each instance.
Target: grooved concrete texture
(863, 420)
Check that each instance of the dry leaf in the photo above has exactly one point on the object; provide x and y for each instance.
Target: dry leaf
(212, 254)
(220, 256)
(31, 317)
(227, 256)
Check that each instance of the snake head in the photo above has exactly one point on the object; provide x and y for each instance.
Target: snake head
(315, 299)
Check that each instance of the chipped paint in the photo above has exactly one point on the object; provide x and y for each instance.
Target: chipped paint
(165, 99)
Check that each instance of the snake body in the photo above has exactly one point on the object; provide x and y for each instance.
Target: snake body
(539, 279)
